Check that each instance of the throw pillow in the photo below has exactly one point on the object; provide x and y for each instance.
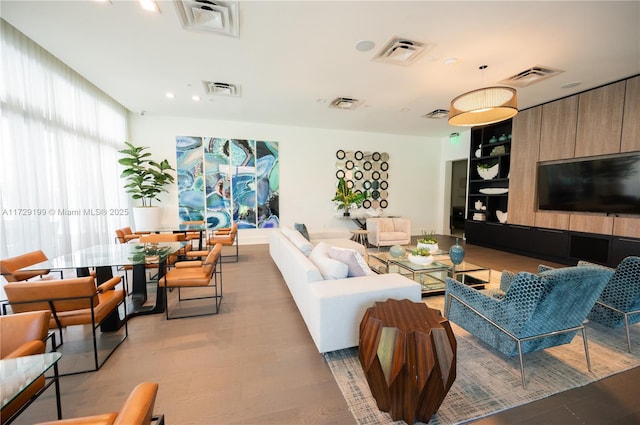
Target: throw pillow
(353, 259)
(300, 227)
(301, 243)
(328, 267)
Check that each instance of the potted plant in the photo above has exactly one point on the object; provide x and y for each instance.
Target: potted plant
(345, 198)
(428, 241)
(146, 179)
(420, 256)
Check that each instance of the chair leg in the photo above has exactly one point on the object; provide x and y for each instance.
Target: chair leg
(524, 386)
(586, 348)
(626, 328)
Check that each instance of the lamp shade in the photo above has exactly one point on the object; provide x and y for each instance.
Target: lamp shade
(483, 106)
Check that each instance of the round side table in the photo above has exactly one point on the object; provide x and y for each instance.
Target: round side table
(360, 236)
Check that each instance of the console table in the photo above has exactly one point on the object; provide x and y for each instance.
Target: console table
(408, 353)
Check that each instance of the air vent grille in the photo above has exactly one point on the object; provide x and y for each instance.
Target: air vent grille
(530, 76)
(221, 89)
(401, 51)
(344, 103)
(213, 16)
(437, 114)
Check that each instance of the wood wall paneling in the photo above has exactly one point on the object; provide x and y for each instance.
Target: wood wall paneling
(631, 119)
(552, 220)
(524, 154)
(591, 223)
(626, 226)
(600, 120)
(558, 129)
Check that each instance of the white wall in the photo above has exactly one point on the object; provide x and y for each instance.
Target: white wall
(307, 169)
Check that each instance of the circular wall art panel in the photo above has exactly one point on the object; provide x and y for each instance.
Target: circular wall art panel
(366, 203)
(359, 155)
(375, 194)
(340, 174)
(376, 156)
(384, 203)
(384, 156)
(358, 175)
(375, 175)
(384, 185)
(367, 185)
(349, 155)
(375, 204)
(384, 194)
(340, 154)
(349, 165)
(375, 184)
(384, 166)
(350, 184)
(365, 171)
(367, 165)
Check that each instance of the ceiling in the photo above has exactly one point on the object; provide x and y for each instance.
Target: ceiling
(291, 54)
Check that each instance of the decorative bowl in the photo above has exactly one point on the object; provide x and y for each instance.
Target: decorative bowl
(488, 173)
(430, 246)
(420, 259)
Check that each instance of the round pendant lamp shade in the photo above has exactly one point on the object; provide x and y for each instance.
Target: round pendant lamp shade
(483, 106)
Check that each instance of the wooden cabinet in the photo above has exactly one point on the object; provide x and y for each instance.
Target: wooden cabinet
(600, 120)
(489, 167)
(631, 121)
(524, 153)
(558, 129)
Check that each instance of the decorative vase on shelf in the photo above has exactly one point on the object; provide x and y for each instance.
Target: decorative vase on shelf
(493, 139)
(456, 253)
(502, 138)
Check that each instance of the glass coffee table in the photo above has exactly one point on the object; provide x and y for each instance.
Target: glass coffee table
(431, 276)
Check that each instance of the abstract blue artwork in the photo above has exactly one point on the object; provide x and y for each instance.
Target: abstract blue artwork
(224, 181)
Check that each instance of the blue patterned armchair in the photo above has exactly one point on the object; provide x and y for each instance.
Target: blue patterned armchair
(619, 303)
(537, 311)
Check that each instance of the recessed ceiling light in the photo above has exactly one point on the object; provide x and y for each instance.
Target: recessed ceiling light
(170, 95)
(196, 98)
(571, 84)
(365, 45)
(149, 5)
(404, 110)
(450, 61)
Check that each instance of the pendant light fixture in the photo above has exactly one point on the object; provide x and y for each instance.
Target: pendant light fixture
(483, 106)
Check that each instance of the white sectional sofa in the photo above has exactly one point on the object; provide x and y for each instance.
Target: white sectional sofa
(332, 309)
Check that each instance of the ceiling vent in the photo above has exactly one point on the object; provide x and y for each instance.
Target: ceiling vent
(530, 76)
(344, 103)
(437, 114)
(400, 51)
(221, 89)
(220, 17)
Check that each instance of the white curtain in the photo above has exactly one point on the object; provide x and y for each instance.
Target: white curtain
(59, 176)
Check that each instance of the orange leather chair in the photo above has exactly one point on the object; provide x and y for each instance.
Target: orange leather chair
(168, 237)
(137, 410)
(190, 236)
(125, 235)
(226, 237)
(72, 302)
(195, 274)
(10, 267)
(23, 335)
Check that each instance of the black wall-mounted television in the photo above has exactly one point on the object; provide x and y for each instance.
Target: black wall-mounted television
(601, 184)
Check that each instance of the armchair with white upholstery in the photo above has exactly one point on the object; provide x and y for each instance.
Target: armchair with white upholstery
(385, 231)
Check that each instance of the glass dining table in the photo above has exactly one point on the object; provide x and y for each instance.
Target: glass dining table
(181, 228)
(102, 258)
(16, 374)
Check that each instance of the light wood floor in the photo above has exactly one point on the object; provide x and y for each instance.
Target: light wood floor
(254, 363)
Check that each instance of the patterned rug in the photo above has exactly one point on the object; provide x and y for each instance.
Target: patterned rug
(487, 382)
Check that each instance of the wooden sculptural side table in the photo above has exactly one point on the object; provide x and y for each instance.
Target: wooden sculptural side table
(408, 353)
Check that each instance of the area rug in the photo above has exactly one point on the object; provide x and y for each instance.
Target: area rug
(487, 382)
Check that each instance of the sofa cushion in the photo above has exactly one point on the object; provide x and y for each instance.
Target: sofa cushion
(300, 227)
(352, 258)
(328, 267)
(287, 231)
(301, 243)
(392, 236)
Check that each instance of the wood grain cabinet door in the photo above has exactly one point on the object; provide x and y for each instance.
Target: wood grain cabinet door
(558, 129)
(600, 120)
(524, 156)
(631, 121)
